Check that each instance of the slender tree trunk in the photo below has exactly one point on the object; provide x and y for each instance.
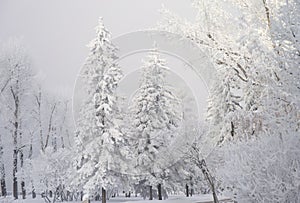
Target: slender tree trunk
(62, 126)
(267, 13)
(209, 179)
(23, 190)
(30, 158)
(54, 198)
(50, 125)
(23, 183)
(212, 185)
(33, 194)
(54, 143)
(15, 138)
(103, 195)
(191, 190)
(2, 171)
(15, 161)
(187, 190)
(21, 165)
(215, 197)
(232, 129)
(3, 186)
(15, 170)
(81, 196)
(159, 191)
(150, 190)
(62, 142)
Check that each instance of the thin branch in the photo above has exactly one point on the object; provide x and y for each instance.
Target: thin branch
(50, 126)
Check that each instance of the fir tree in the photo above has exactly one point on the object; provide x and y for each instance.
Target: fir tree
(155, 115)
(98, 134)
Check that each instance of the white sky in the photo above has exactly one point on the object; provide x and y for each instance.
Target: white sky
(57, 31)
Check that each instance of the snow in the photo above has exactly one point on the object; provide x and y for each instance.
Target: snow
(207, 198)
(251, 142)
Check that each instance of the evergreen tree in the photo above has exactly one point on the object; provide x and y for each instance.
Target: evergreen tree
(98, 135)
(155, 113)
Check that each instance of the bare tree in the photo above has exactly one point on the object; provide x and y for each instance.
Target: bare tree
(4, 81)
(45, 125)
(16, 62)
(2, 170)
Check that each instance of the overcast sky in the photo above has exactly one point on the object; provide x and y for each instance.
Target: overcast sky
(56, 32)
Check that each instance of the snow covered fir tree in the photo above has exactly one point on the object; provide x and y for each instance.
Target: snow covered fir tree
(155, 117)
(98, 136)
(118, 141)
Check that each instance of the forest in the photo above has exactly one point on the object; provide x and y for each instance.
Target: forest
(152, 145)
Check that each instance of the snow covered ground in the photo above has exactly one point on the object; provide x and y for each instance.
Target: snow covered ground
(172, 199)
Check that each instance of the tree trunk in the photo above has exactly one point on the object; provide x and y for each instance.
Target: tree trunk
(159, 191)
(267, 13)
(33, 194)
(232, 129)
(81, 195)
(54, 198)
(215, 197)
(2, 170)
(187, 190)
(103, 195)
(15, 140)
(209, 179)
(22, 182)
(30, 158)
(15, 170)
(191, 188)
(23, 190)
(150, 190)
(3, 187)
